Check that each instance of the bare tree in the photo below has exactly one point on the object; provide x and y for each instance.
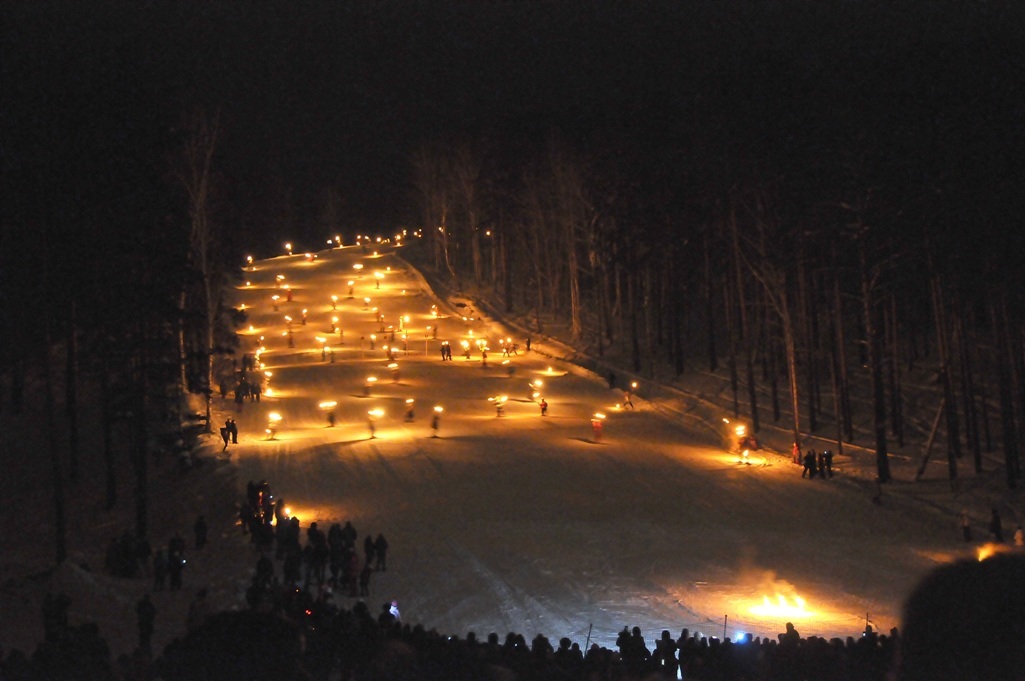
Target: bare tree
(466, 175)
(194, 172)
(432, 187)
(576, 218)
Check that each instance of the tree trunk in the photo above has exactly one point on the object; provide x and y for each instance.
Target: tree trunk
(834, 375)
(56, 472)
(1015, 347)
(967, 386)
(772, 354)
(634, 331)
(140, 436)
(107, 417)
(840, 348)
(507, 278)
(676, 327)
(809, 341)
(893, 371)
(875, 371)
(745, 335)
(732, 347)
(942, 348)
(573, 267)
(1007, 420)
(71, 393)
(713, 360)
(791, 350)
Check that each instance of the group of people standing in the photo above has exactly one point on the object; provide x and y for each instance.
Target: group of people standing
(817, 464)
(229, 433)
(327, 560)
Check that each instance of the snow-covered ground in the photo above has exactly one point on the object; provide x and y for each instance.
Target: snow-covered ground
(523, 523)
(526, 523)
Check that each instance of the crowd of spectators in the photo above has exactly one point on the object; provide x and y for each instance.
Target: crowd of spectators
(298, 625)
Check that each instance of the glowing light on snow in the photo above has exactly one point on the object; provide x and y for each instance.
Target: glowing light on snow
(328, 404)
(782, 607)
(989, 550)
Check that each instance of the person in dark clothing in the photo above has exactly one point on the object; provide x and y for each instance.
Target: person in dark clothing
(381, 550)
(146, 614)
(389, 614)
(963, 621)
(175, 566)
(143, 554)
(664, 656)
(966, 526)
(828, 460)
(349, 533)
(291, 569)
(822, 464)
(226, 434)
(176, 545)
(368, 550)
(233, 431)
(996, 527)
(809, 464)
(200, 530)
(636, 654)
(159, 570)
(352, 571)
(623, 642)
(364, 579)
(264, 569)
(791, 637)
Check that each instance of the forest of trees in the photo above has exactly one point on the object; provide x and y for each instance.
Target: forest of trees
(815, 220)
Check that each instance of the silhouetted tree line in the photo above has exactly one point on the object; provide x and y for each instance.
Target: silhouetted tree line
(104, 282)
(815, 200)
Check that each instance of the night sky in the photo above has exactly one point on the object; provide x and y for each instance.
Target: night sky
(336, 96)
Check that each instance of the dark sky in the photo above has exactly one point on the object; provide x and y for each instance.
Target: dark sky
(317, 94)
(339, 94)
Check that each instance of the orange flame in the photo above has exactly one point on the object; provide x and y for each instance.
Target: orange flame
(989, 550)
(782, 607)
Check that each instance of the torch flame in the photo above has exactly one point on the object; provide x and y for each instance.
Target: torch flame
(989, 550)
